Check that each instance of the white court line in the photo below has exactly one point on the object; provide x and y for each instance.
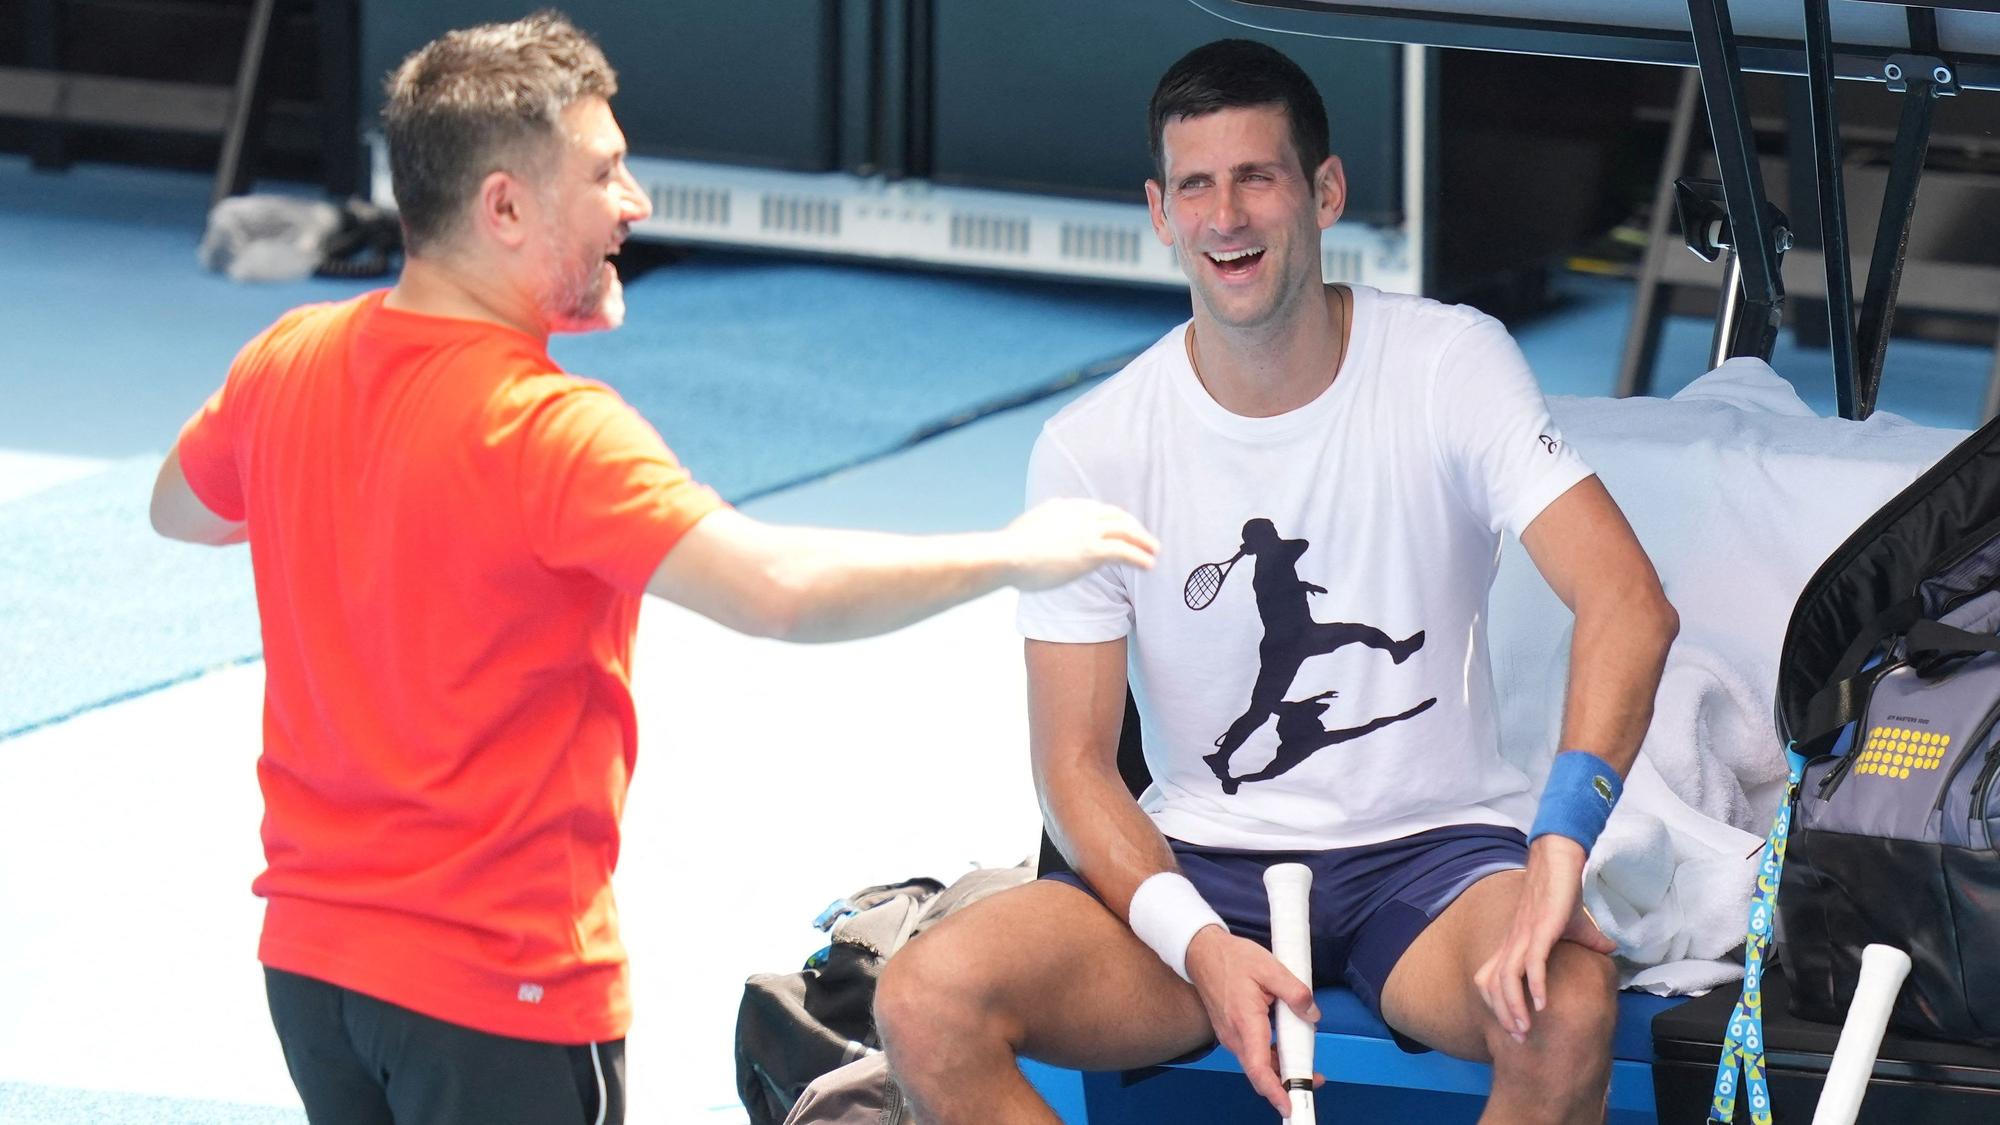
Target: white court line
(24, 473)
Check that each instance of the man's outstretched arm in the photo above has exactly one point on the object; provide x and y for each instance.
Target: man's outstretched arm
(1624, 625)
(817, 584)
(1076, 704)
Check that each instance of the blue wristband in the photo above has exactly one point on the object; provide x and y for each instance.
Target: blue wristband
(1581, 791)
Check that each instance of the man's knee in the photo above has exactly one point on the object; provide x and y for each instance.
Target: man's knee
(1582, 1006)
(930, 991)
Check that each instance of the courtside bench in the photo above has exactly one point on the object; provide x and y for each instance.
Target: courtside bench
(1368, 1078)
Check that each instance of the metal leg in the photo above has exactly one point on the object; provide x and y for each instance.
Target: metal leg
(1892, 240)
(1899, 202)
(1755, 331)
(231, 172)
(1805, 315)
(1991, 407)
(1642, 335)
(1728, 312)
(1832, 209)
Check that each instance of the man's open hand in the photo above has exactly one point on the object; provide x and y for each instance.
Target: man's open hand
(1551, 910)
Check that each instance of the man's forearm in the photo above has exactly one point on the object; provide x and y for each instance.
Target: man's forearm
(1616, 656)
(846, 584)
(1103, 832)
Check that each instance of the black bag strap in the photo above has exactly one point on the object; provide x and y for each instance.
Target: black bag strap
(1845, 696)
(1844, 700)
(1947, 640)
(1838, 704)
(1896, 619)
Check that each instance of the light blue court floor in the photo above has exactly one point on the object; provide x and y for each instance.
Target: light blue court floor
(129, 990)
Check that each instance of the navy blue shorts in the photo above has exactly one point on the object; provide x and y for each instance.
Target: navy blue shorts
(1368, 903)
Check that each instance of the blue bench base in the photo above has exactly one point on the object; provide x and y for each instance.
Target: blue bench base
(1369, 1078)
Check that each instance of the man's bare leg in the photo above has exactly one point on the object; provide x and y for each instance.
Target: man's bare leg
(1563, 1071)
(1042, 970)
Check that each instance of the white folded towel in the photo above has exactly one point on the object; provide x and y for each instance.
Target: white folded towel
(1713, 738)
(1667, 883)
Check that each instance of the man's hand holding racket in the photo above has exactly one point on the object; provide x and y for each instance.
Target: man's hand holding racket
(1059, 541)
(1238, 981)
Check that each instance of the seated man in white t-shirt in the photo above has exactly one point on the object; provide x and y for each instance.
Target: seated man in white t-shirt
(1361, 453)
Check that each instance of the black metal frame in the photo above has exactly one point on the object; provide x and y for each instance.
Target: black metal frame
(1576, 40)
(1832, 206)
(1754, 300)
(1899, 202)
(1757, 235)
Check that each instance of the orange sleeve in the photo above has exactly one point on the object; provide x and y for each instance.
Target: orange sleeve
(207, 449)
(208, 442)
(600, 491)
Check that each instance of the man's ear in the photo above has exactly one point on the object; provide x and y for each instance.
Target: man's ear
(502, 209)
(1329, 191)
(1156, 206)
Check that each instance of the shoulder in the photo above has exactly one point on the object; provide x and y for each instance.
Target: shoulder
(1111, 408)
(551, 409)
(1413, 322)
(300, 327)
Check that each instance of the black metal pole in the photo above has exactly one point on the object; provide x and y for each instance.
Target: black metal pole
(1827, 163)
(1892, 240)
(1755, 330)
(241, 135)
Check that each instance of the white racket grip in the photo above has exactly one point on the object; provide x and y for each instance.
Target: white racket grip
(1289, 886)
(1883, 968)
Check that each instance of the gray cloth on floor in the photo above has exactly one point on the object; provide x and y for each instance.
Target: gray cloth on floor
(268, 237)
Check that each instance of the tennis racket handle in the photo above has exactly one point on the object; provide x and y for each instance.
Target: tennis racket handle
(1289, 886)
(1883, 968)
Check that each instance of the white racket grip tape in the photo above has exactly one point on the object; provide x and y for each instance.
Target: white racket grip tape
(1290, 886)
(1883, 968)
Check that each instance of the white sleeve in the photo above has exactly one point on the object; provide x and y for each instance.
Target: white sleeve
(1096, 607)
(1505, 456)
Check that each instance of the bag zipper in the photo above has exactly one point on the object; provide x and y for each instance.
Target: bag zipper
(1985, 769)
(1978, 538)
(1980, 783)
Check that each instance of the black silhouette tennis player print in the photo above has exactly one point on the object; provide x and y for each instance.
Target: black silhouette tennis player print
(1291, 636)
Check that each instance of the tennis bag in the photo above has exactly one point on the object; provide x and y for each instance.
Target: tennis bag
(1889, 686)
(793, 1028)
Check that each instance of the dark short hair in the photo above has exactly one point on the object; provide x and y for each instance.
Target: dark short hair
(1232, 73)
(480, 100)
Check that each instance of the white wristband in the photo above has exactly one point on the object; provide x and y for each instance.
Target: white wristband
(1166, 913)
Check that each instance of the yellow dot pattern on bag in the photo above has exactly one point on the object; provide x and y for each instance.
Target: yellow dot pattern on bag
(1895, 751)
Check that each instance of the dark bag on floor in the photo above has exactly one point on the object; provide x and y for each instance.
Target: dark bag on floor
(794, 1027)
(1889, 683)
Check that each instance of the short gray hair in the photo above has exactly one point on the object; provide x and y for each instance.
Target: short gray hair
(480, 100)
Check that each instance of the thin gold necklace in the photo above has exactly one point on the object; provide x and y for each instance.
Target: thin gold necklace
(1346, 317)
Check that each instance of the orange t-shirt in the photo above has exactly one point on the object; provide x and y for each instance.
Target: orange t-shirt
(450, 538)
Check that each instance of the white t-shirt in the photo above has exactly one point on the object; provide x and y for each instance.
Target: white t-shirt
(1369, 515)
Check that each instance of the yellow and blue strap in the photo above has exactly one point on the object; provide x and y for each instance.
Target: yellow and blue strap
(1743, 1046)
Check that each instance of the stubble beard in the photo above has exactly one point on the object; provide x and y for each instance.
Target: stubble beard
(587, 300)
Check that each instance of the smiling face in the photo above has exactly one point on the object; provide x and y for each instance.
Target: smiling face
(588, 203)
(1241, 214)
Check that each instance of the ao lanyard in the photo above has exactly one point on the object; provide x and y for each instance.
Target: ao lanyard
(1744, 1045)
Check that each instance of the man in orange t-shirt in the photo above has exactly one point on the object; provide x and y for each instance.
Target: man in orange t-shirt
(450, 537)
